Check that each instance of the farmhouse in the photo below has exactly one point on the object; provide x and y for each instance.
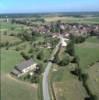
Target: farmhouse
(24, 67)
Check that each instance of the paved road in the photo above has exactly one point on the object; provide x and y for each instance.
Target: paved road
(46, 94)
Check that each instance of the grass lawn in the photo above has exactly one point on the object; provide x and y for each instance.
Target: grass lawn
(12, 89)
(67, 86)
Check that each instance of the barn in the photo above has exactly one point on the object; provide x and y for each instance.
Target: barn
(24, 67)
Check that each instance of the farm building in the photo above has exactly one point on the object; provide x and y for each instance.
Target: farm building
(24, 67)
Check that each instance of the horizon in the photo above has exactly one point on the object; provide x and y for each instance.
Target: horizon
(51, 12)
(44, 6)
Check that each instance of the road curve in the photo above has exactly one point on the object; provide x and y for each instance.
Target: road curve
(46, 94)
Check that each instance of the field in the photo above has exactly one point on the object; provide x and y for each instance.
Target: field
(11, 27)
(93, 79)
(12, 89)
(90, 20)
(89, 56)
(67, 86)
(88, 52)
(10, 39)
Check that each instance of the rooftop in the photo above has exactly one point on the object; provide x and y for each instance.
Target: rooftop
(24, 64)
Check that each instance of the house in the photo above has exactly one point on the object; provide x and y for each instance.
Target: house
(24, 67)
(63, 42)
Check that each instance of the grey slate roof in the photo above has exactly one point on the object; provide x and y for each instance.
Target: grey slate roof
(15, 72)
(24, 65)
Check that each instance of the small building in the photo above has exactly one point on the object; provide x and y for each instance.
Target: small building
(63, 42)
(24, 67)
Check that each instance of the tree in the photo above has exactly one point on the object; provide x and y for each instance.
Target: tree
(40, 55)
(75, 59)
(30, 51)
(25, 56)
(39, 69)
(35, 78)
(79, 39)
(64, 61)
(70, 48)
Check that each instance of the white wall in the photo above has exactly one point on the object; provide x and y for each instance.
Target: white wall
(32, 67)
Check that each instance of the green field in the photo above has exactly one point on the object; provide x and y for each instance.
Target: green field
(93, 79)
(88, 52)
(13, 89)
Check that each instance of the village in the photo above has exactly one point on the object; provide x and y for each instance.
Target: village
(49, 56)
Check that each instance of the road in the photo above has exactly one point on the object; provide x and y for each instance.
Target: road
(46, 94)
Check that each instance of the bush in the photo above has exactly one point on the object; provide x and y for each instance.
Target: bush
(70, 48)
(79, 39)
(40, 55)
(24, 55)
(75, 59)
(17, 49)
(30, 51)
(65, 61)
(35, 79)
